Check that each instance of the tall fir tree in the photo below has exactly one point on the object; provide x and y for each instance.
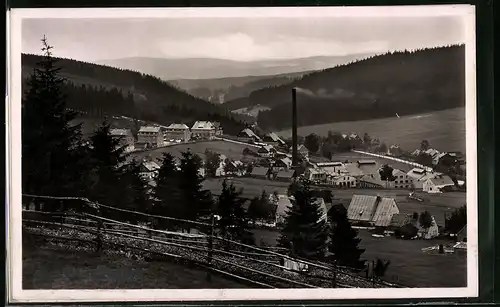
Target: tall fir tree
(167, 195)
(195, 201)
(304, 233)
(234, 220)
(138, 191)
(50, 142)
(344, 242)
(108, 159)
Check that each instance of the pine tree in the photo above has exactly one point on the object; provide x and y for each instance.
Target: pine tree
(195, 201)
(137, 189)
(234, 221)
(108, 159)
(344, 242)
(50, 143)
(304, 232)
(167, 193)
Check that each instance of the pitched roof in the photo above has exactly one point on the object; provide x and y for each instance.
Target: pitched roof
(399, 219)
(353, 169)
(259, 171)
(249, 133)
(287, 161)
(372, 209)
(275, 137)
(441, 180)
(397, 172)
(385, 209)
(151, 166)
(120, 132)
(373, 180)
(178, 126)
(266, 148)
(203, 125)
(149, 129)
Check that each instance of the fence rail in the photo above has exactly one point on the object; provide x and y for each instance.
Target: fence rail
(252, 264)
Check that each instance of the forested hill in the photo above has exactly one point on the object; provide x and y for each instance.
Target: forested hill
(399, 82)
(92, 87)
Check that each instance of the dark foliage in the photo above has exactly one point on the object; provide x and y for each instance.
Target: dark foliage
(167, 193)
(234, 221)
(457, 220)
(311, 142)
(425, 219)
(212, 163)
(96, 88)
(195, 201)
(261, 208)
(380, 268)
(381, 86)
(386, 173)
(344, 241)
(305, 234)
(51, 147)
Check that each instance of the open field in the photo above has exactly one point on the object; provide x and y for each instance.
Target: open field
(436, 204)
(231, 150)
(47, 268)
(409, 265)
(445, 130)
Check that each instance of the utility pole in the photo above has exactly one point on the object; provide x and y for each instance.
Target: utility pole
(334, 273)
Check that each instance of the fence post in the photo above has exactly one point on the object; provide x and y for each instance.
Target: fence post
(335, 273)
(373, 273)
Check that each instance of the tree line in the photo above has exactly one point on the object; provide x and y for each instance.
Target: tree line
(381, 86)
(153, 99)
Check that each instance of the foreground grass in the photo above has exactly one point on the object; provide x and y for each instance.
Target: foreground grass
(409, 265)
(47, 267)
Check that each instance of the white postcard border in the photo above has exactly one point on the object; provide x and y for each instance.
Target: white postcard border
(13, 166)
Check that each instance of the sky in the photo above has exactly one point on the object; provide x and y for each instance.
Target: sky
(238, 39)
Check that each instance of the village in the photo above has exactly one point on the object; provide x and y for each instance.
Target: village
(387, 192)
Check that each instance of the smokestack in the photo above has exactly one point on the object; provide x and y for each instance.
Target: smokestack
(294, 127)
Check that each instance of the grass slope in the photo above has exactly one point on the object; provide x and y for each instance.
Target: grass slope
(50, 268)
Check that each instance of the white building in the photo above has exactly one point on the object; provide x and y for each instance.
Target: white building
(402, 180)
(150, 136)
(177, 133)
(436, 184)
(203, 130)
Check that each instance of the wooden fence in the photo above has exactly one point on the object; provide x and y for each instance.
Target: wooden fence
(92, 228)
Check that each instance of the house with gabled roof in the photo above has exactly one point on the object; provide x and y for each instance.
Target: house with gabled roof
(283, 163)
(402, 180)
(150, 136)
(149, 169)
(260, 172)
(247, 135)
(266, 151)
(373, 210)
(437, 183)
(273, 139)
(203, 130)
(285, 175)
(177, 133)
(301, 150)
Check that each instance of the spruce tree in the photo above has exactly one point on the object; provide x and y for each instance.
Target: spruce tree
(108, 159)
(234, 220)
(344, 242)
(304, 232)
(50, 142)
(167, 193)
(137, 190)
(195, 201)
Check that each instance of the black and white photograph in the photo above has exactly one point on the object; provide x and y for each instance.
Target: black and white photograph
(194, 154)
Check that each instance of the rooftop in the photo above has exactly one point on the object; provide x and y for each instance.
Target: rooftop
(120, 132)
(376, 209)
(178, 126)
(151, 166)
(285, 174)
(149, 129)
(441, 180)
(259, 171)
(203, 125)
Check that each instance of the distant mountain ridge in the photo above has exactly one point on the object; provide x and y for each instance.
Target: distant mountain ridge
(213, 68)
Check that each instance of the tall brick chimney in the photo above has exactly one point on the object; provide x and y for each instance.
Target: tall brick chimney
(294, 127)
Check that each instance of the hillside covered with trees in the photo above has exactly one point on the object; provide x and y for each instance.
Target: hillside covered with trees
(100, 89)
(405, 82)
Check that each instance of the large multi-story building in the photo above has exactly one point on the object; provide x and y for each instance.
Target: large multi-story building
(150, 137)
(177, 133)
(203, 130)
